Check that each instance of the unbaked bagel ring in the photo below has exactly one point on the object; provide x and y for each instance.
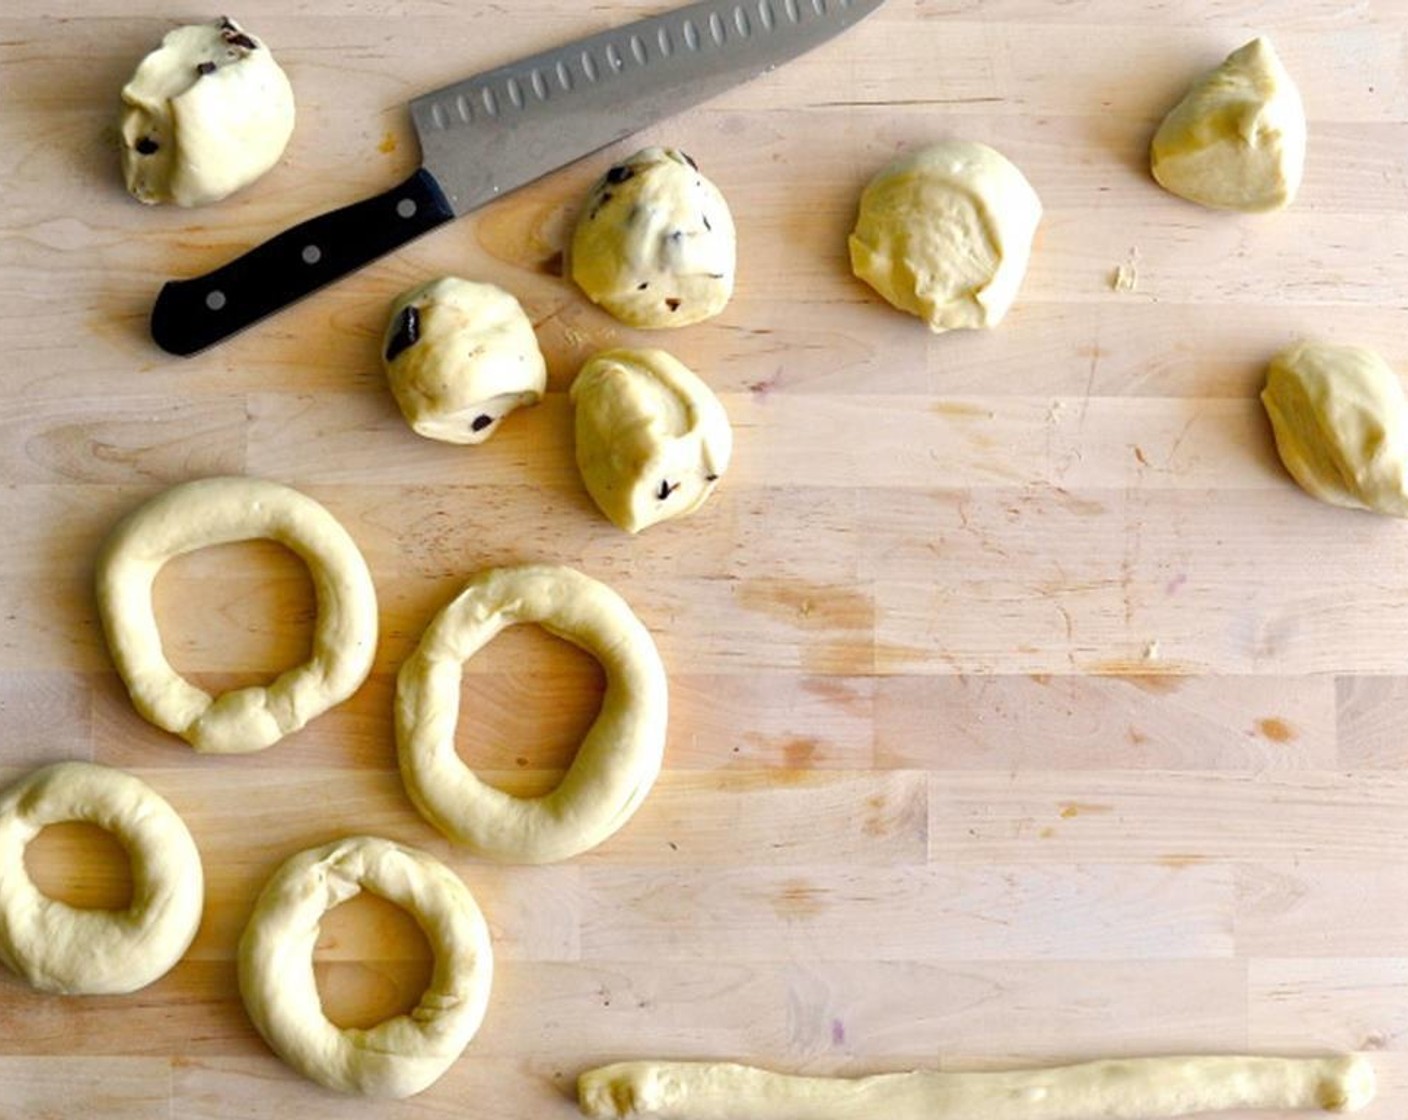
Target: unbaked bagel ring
(220, 511)
(615, 765)
(61, 948)
(401, 1055)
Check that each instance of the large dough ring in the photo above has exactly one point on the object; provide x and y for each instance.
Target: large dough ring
(219, 511)
(401, 1055)
(615, 765)
(61, 948)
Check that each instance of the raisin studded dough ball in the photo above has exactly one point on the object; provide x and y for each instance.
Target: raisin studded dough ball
(459, 357)
(206, 113)
(652, 439)
(655, 244)
(1237, 139)
(945, 233)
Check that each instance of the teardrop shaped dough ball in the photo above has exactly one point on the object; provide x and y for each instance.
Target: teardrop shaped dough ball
(655, 245)
(206, 113)
(459, 357)
(1341, 424)
(1237, 139)
(652, 439)
(945, 233)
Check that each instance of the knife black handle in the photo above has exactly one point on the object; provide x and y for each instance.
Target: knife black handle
(192, 314)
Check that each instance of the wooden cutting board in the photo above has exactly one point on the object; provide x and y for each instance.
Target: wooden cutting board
(1023, 710)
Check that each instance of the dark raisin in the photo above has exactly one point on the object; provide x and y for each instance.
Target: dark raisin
(673, 304)
(666, 489)
(204, 68)
(226, 24)
(677, 235)
(619, 174)
(146, 146)
(689, 161)
(236, 38)
(407, 333)
(642, 285)
(705, 219)
(480, 423)
(711, 478)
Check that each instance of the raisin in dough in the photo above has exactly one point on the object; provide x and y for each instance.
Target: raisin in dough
(652, 439)
(459, 357)
(206, 113)
(1128, 1089)
(1341, 425)
(655, 245)
(1237, 139)
(945, 233)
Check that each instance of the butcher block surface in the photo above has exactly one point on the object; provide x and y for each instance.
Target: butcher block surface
(1022, 709)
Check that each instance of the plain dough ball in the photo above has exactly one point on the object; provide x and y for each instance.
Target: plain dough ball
(459, 357)
(655, 245)
(652, 438)
(945, 233)
(1339, 417)
(206, 113)
(1237, 139)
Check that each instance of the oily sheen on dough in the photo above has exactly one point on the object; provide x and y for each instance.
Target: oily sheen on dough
(214, 511)
(945, 233)
(459, 357)
(1341, 425)
(652, 438)
(1125, 1089)
(1237, 139)
(206, 113)
(618, 760)
(655, 244)
(75, 951)
(399, 1056)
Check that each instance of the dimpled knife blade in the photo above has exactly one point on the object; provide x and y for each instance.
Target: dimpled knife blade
(489, 134)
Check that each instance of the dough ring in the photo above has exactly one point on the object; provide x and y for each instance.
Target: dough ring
(75, 951)
(616, 763)
(1126, 1089)
(219, 511)
(399, 1056)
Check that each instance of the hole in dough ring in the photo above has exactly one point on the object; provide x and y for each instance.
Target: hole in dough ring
(61, 948)
(616, 763)
(215, 511)
(399, 1056)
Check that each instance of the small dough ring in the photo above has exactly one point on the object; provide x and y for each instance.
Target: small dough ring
(220, 511)
(615, 765)
(61, 948)
(399, 1056)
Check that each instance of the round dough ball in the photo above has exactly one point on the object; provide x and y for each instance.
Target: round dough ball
(655, 244)
(652, 439)
(206, 113)
(1341, 425)
(459, 357)
(1237, 139)
(945, 233)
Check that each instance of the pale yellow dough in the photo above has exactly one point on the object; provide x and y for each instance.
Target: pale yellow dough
(206, 113)
(945, 233)
(1341, 425)
(213, 511)
(1126, 1089)
(652, 438)
(66, 949)
(655, 244)
(1237, 139)
(404, 1054)
(459, 357)
(615, 765)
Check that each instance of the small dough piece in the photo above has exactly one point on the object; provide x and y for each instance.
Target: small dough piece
(1341, 425)
(399, 1056)
(459, 357)
(76, 951)
(652, 439)
(1123, 1089)
(220, 511)
(655, 245)
(618, 760)
(1237, 139)
(945, 233)
(206, 113)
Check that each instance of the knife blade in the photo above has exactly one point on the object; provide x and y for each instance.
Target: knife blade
(498, 130)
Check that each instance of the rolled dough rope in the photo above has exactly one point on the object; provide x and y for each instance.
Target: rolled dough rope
(1123, 1089)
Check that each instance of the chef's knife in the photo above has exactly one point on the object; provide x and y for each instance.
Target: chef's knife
(484, 136)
